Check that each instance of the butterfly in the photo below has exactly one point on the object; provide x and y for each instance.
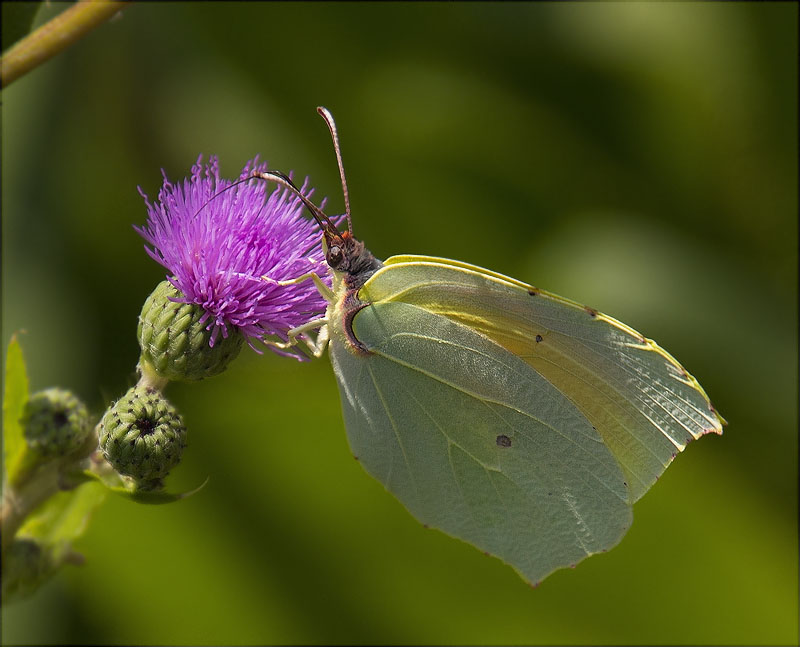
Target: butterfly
(516, 420)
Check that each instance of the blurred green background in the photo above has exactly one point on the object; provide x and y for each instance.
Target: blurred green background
(640, 158)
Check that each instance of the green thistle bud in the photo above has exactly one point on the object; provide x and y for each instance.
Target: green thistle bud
(55, 422)
(175, 342)
(142, 436)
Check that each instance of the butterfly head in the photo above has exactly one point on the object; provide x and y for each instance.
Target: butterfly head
(348, 255)
(339, 249)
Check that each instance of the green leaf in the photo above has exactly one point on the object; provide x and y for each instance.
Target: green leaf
(156, 497)
(64, 517)
(44, 542)
(14, 399)
(18, 20)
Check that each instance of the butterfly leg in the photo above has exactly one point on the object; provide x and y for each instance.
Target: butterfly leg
(324, 290)
(301, 334)
(318, 345)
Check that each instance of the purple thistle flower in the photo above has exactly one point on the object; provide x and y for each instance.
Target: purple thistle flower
(218, 244)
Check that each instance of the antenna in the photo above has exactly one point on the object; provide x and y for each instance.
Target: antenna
(221, 191)
(325, 223)
(328, 117)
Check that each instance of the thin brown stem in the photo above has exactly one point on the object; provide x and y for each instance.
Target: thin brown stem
(54, 36)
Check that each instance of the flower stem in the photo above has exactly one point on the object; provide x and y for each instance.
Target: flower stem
(149, 378)
(18, 503)
(54, 36)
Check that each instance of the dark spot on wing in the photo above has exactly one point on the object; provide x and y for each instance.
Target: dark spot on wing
(592, 312)
(503, 441)
(533, 292)
(539, 338)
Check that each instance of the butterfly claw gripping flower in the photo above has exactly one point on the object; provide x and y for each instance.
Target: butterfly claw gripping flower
(227, 246)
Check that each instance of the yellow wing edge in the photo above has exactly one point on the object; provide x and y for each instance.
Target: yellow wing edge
(644, 342)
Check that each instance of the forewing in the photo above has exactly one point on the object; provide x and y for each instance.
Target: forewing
(641, 401)
(477, 443)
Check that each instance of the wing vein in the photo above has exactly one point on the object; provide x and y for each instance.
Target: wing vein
(396, 432)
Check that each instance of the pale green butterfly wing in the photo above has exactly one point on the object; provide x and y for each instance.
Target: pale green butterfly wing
(477, 444)
(643, 403)
(510, 418)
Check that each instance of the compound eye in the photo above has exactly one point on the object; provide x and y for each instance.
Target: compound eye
(335, 256)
